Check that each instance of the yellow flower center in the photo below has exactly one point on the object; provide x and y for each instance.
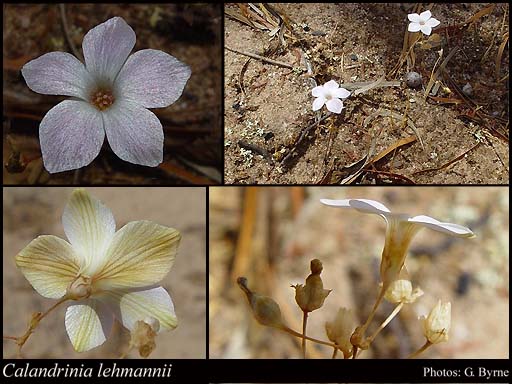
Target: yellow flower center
(102, 99)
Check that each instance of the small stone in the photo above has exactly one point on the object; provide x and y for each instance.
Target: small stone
(268, 135)
(353, 57)
(413, 79)
(467, 89)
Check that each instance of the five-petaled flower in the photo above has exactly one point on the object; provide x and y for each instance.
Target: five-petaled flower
(111, 94)
(329, 94)
(423, 22)
(400, 230)
(107, 273)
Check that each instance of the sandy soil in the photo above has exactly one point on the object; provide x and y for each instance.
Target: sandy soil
(192, 126)
(291, 227)
(35, 211)
(269, 107)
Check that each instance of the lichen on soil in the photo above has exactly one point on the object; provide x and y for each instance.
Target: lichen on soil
(267, 107)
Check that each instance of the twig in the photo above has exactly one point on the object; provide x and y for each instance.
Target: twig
(66, 31)
(262, 58)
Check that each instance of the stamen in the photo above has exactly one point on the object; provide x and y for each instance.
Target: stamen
(102, 99)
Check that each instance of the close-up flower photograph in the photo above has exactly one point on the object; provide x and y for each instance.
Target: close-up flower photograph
(112, 94)
(104, 273)
(359, 273)
(366, 93)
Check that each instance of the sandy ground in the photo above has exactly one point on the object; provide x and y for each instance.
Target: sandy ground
(289, 231)
(269, 107)
(29, 212)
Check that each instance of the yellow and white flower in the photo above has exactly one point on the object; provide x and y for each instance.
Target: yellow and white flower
(107, 273)
(400, 230)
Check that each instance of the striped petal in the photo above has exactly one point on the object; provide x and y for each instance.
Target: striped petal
(49, 264)
(88, 324)
(89, 226)
(141, 254)
(448, 228)
(130, 307)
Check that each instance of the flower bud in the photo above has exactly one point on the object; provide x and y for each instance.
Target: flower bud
(143, 337)
(340, 330)
(400, 291)
(311, 296)
(265, 310)
(437, 324)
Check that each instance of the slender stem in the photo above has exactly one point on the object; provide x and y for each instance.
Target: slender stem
(65, 298)
(375, 307)
(297, 334)
(421, 350)
(10, 337)
(334, 353)
(304, 325)
(385, 322)
(262, 58)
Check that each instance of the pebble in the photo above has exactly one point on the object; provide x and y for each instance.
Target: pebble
(467, 89)
(413, 79)
(353, 57)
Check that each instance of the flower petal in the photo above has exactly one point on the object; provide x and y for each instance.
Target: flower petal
(330, 85)
(334, 105)
(426, 29)
(318, 91)
(57, 73)
(106, 48)
(49, 264)
(414, 17)
(369, 206)
(71, 136)
(432, 22)
(318, 103)
(141, 254)
(153, 79)
(134, 133)
(414, 27)
(449, 228)
(341, 93)
(90, 227)
(336, 203)
(130, 307)
(88, 324)
(425, 15)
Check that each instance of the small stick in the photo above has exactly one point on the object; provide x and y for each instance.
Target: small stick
(262, 58)
(66, 32)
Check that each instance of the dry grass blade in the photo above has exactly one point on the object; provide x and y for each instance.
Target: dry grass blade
(435, 74)
(485, 11)
(397, 144)
(370, 86)
(499, 56)
(450, 162)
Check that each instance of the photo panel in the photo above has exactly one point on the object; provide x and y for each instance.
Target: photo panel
(366, 93)
(112, 94)
(277, 253)
(124, 267)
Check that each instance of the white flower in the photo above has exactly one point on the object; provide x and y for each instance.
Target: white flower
(423, 22)
(107, 273)
(437, 324)
(400, 291)
(110, 95)
(329, 94)
(400, 230)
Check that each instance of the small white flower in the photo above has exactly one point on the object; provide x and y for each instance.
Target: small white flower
(107, 273)
(437, 324)
(423, 22)
(329, 94)
(400, 230)
(110, 95)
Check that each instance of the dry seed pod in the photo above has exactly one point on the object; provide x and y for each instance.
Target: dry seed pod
(437, 324)
(400, 291)
(143, 336)
(312, 295)
(264, 308)
(340, 329)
